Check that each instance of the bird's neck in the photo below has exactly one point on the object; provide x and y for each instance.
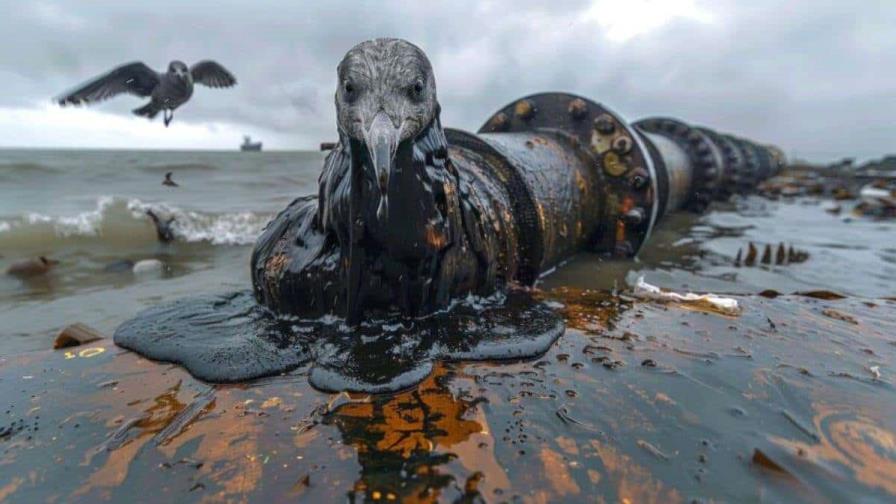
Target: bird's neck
(400, 250)
(416, 223)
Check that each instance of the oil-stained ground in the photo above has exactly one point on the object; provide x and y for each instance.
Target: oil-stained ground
(792, 400)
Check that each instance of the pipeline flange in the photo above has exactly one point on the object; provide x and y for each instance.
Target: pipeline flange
(619, 156)
(749, 177)
(699, 149)
(735, 164)
(724, 161)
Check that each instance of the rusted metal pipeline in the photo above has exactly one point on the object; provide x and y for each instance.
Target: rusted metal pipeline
(546, 176)
(639, 172)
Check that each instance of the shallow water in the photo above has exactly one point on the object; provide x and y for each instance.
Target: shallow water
(793, 400)
(85, 208)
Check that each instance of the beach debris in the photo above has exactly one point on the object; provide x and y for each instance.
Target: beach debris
(653, 450)
(876, 196)
(147, 266)
(777, 255)
(876, 199)
(821, 294)
(762, 460)
(31, 267)
(75, 335)
(767, 255)
(202, 403)
(711, 302)
(834, 314)
(342, 398)
(751, 255)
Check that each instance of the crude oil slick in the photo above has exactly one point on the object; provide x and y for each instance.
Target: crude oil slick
(792, 401)
(231, 338)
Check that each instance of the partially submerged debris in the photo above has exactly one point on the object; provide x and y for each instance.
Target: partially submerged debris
(711, 302)
(771, 255)
(834, 314)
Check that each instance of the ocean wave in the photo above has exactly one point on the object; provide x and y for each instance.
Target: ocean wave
(122, 220)
(14, 171)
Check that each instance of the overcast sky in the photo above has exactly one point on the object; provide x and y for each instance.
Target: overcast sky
(816, 77)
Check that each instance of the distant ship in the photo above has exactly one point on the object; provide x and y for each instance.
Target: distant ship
(249, 145)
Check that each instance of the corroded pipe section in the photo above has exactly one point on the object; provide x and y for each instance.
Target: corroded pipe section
(722, 164)
(674, 170)
(546, 176)
(557, 193)
(646, 170)
(705, 160)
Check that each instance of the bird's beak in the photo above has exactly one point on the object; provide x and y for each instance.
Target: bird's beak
(382, 138)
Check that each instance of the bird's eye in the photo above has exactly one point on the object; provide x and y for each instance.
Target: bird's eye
(416, 90)
(348, 87)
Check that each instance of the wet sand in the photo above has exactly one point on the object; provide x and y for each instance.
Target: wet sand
(793, 400)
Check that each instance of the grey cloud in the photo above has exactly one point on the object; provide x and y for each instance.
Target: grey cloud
(815, 77)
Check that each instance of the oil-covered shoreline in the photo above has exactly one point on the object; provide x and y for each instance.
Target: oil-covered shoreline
(792, 400)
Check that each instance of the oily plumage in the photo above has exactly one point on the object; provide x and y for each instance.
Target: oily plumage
(391, 228)
(167, 90)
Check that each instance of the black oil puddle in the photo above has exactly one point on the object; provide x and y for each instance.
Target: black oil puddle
(231, 338)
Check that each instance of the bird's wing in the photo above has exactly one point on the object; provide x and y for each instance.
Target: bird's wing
(134, 78)
(210, 73)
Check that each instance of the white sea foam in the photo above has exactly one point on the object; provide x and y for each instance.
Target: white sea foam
(125, 219)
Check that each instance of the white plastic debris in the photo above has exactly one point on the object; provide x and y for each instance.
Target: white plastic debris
(147, 266)
(724, 305)
(877, 197)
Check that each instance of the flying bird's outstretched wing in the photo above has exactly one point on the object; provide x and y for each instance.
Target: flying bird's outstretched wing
(212, 74)
(134, 78)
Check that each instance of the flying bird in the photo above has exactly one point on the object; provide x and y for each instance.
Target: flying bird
(166, 90)
(168, 181)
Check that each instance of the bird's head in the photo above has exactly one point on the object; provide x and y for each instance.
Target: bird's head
(179, 69)
(386, 95)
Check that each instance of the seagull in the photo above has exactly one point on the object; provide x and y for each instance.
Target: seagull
(166, 91)
(168, 181)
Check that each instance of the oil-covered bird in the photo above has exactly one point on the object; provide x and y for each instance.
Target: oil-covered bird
(166, 90)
